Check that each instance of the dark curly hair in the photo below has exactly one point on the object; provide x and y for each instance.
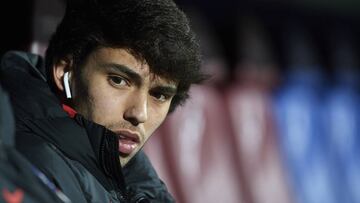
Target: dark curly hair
(155, 31)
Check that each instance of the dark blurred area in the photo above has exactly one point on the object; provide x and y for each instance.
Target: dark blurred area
(318, 17)
(279, 119)
(34, 20)
(16, 22)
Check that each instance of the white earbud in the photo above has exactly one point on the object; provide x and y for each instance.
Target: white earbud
(67, 85)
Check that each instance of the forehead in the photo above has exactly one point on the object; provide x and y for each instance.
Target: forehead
(109, 58)
(119, 56)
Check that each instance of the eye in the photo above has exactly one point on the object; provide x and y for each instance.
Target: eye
(117, 81)
(160, 96)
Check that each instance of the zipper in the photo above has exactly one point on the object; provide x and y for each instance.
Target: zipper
(111, 164)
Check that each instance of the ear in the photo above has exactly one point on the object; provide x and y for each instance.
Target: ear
(59, 70)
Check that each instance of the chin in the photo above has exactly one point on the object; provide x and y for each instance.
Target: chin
(125, 160)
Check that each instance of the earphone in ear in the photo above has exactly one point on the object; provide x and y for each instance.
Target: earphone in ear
(67, 85)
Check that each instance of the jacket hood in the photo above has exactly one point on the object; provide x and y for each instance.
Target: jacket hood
(37, 108)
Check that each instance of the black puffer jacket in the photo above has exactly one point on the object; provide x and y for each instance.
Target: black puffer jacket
(79, 156)
(19, 180)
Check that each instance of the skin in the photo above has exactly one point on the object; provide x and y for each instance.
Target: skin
(118, 91)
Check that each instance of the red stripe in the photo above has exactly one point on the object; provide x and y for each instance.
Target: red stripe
(70, 111)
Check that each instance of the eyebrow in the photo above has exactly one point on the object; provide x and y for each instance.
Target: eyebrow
(134, 76)
(169, 90)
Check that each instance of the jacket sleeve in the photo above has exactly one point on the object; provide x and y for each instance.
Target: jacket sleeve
(142, 180)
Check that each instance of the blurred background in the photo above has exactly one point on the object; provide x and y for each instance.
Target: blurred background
(278, 122)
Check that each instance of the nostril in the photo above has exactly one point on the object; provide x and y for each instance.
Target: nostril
(137, 112)
(133, 121)
(130, 118)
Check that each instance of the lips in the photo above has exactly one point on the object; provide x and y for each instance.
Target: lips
(128, 141)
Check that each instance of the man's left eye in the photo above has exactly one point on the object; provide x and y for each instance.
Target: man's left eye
(117, 81)
(160, 97)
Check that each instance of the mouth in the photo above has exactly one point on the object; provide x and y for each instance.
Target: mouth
(128, 142)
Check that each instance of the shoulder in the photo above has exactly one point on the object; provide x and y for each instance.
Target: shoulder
(69, 175)
(18, 178)
(49, 160)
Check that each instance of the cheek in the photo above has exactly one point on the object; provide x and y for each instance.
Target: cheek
(155, 120)
(106, 107)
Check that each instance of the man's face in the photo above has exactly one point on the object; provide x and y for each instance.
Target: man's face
(119, 92)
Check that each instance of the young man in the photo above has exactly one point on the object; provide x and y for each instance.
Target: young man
(117, 68)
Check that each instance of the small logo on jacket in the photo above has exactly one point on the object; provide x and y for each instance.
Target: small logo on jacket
(16, 196)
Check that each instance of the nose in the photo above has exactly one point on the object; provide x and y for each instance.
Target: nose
(137, 112)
